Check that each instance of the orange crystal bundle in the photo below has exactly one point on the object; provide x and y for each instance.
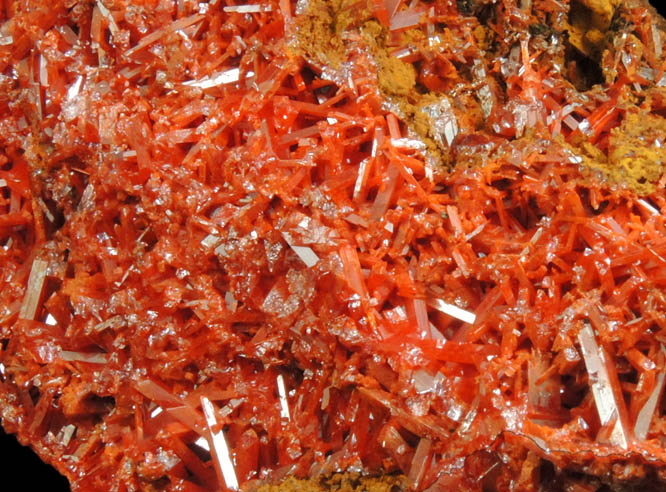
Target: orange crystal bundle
(244, 242)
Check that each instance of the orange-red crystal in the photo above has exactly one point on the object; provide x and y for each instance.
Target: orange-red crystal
(220, 265)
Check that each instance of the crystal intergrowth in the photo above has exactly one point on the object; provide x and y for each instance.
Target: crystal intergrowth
(246, 242)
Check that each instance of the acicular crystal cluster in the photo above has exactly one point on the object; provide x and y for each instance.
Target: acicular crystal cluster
(244, 244)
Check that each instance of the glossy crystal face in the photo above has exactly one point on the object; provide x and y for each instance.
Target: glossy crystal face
(294, 245)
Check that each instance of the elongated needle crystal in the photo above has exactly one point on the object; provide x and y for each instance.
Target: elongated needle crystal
(33, 293)
(452, 310)
(227, 77)
(284, 404)
(644, 417)
(113, 27)
(305, 253)
(248, 9)
(602, 386)
(219, 448)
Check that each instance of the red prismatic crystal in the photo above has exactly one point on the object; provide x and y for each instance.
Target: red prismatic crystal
(246, 242)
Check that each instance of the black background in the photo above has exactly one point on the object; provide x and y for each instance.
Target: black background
(26, 468)
(34, 475)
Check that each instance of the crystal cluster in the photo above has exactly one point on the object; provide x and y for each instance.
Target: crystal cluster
(246, 242)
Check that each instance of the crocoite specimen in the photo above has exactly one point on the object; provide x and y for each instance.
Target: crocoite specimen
(246, 242)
